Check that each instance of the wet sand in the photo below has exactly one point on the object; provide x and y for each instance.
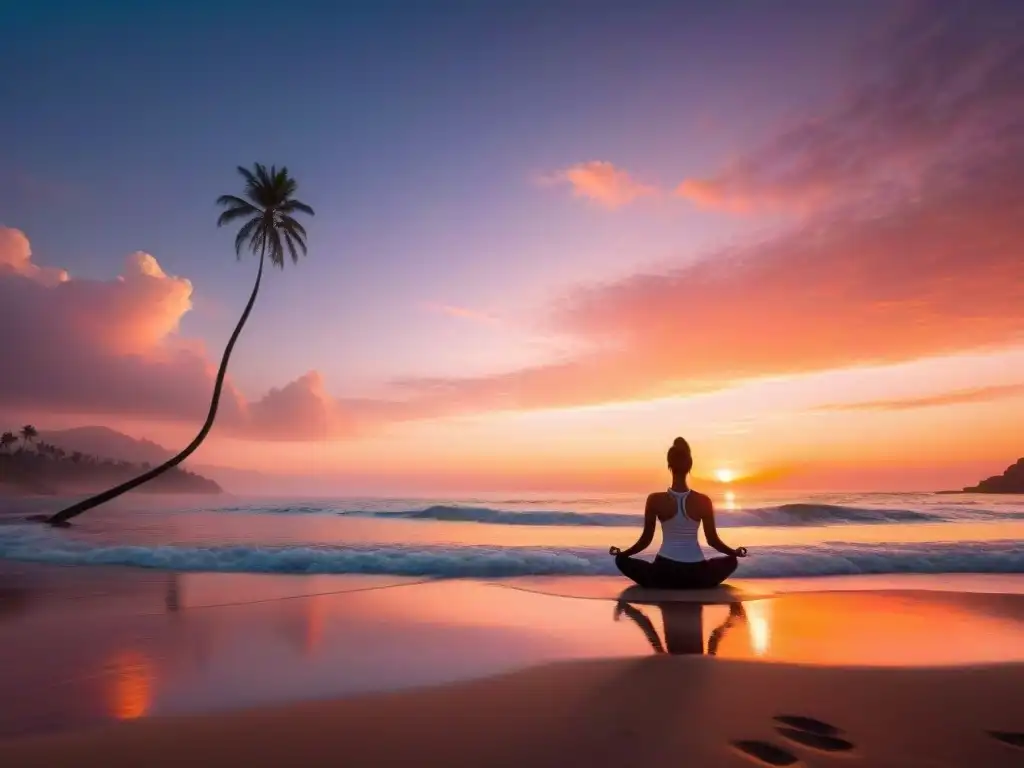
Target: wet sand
(201, 665)
(646, 711)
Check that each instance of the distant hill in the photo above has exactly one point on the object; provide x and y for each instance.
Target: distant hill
(47, 470)
(106, 443)
(88, 460)
(110, 444)
(1011, 481)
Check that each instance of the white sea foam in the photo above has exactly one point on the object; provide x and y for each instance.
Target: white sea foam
(39, 544)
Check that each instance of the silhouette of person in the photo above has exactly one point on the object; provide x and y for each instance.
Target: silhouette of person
(683, 626)
(681, 512)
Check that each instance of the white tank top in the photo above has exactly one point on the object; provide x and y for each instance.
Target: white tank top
(679, 533)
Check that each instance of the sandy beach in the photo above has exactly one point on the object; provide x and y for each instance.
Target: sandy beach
(127, 667)
(601, 713)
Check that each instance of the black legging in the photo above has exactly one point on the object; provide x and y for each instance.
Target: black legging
(671, 574)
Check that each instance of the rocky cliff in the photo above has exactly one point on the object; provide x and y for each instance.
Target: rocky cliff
(1011, 481)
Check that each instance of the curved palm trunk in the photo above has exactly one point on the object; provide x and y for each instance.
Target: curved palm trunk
(62, 517)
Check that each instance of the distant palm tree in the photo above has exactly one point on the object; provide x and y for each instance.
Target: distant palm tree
(7, 439)
(28, 434)
(268, 209)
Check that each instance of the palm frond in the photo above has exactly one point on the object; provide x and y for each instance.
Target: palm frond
(256, 184)
(268, 205)
(296, 205)
(237, 208)
(245, 233)
(266, 178)
(291, 246)
(295, 238)
(255, 193)
(232, 200)
(275, 249)
(289, 223)
(235, 213)
(247, 174)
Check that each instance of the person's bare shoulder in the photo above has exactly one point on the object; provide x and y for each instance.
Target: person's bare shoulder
(701, 503)
(657, 502)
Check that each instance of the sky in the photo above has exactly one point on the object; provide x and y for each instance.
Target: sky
(549, 238)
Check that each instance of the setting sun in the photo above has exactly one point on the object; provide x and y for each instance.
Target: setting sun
(725, 475)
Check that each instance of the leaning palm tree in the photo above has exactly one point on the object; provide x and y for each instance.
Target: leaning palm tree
(28, 434)
(267, 208)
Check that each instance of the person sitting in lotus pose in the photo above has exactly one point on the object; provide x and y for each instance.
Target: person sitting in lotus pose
(680, 564)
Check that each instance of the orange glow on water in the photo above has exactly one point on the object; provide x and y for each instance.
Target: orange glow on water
(867, 629)
(760, 626)
(132, 685)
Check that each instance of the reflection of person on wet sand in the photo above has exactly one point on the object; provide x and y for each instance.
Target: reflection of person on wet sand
(683, 625)
(172, 599)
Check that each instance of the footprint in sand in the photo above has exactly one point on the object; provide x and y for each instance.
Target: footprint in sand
(766, 752)
(808, 724)
(801, 730)
(1010, 738)
(809, 732)
(815, 740)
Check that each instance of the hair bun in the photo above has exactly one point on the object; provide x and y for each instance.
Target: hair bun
(680, 444)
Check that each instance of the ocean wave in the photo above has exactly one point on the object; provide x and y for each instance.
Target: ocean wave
(37, 544)
(785, 515)
(807, 514)
(462, 514)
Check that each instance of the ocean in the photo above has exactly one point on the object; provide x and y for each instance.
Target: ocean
(492, 536)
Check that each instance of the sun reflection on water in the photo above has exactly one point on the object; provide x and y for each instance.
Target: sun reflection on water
(759, 625)
(131, 685)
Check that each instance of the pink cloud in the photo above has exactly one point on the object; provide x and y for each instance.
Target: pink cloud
(301, 410)
(112, 348)
(16, 259)
(603, 183)
(942, 83)
(463, 313)
(937, 275)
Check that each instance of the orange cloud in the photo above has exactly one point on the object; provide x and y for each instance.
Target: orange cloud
(884, 273)
(16, 259)
(602, 182)
(711, 194)
(938, 275)
(959, 397)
